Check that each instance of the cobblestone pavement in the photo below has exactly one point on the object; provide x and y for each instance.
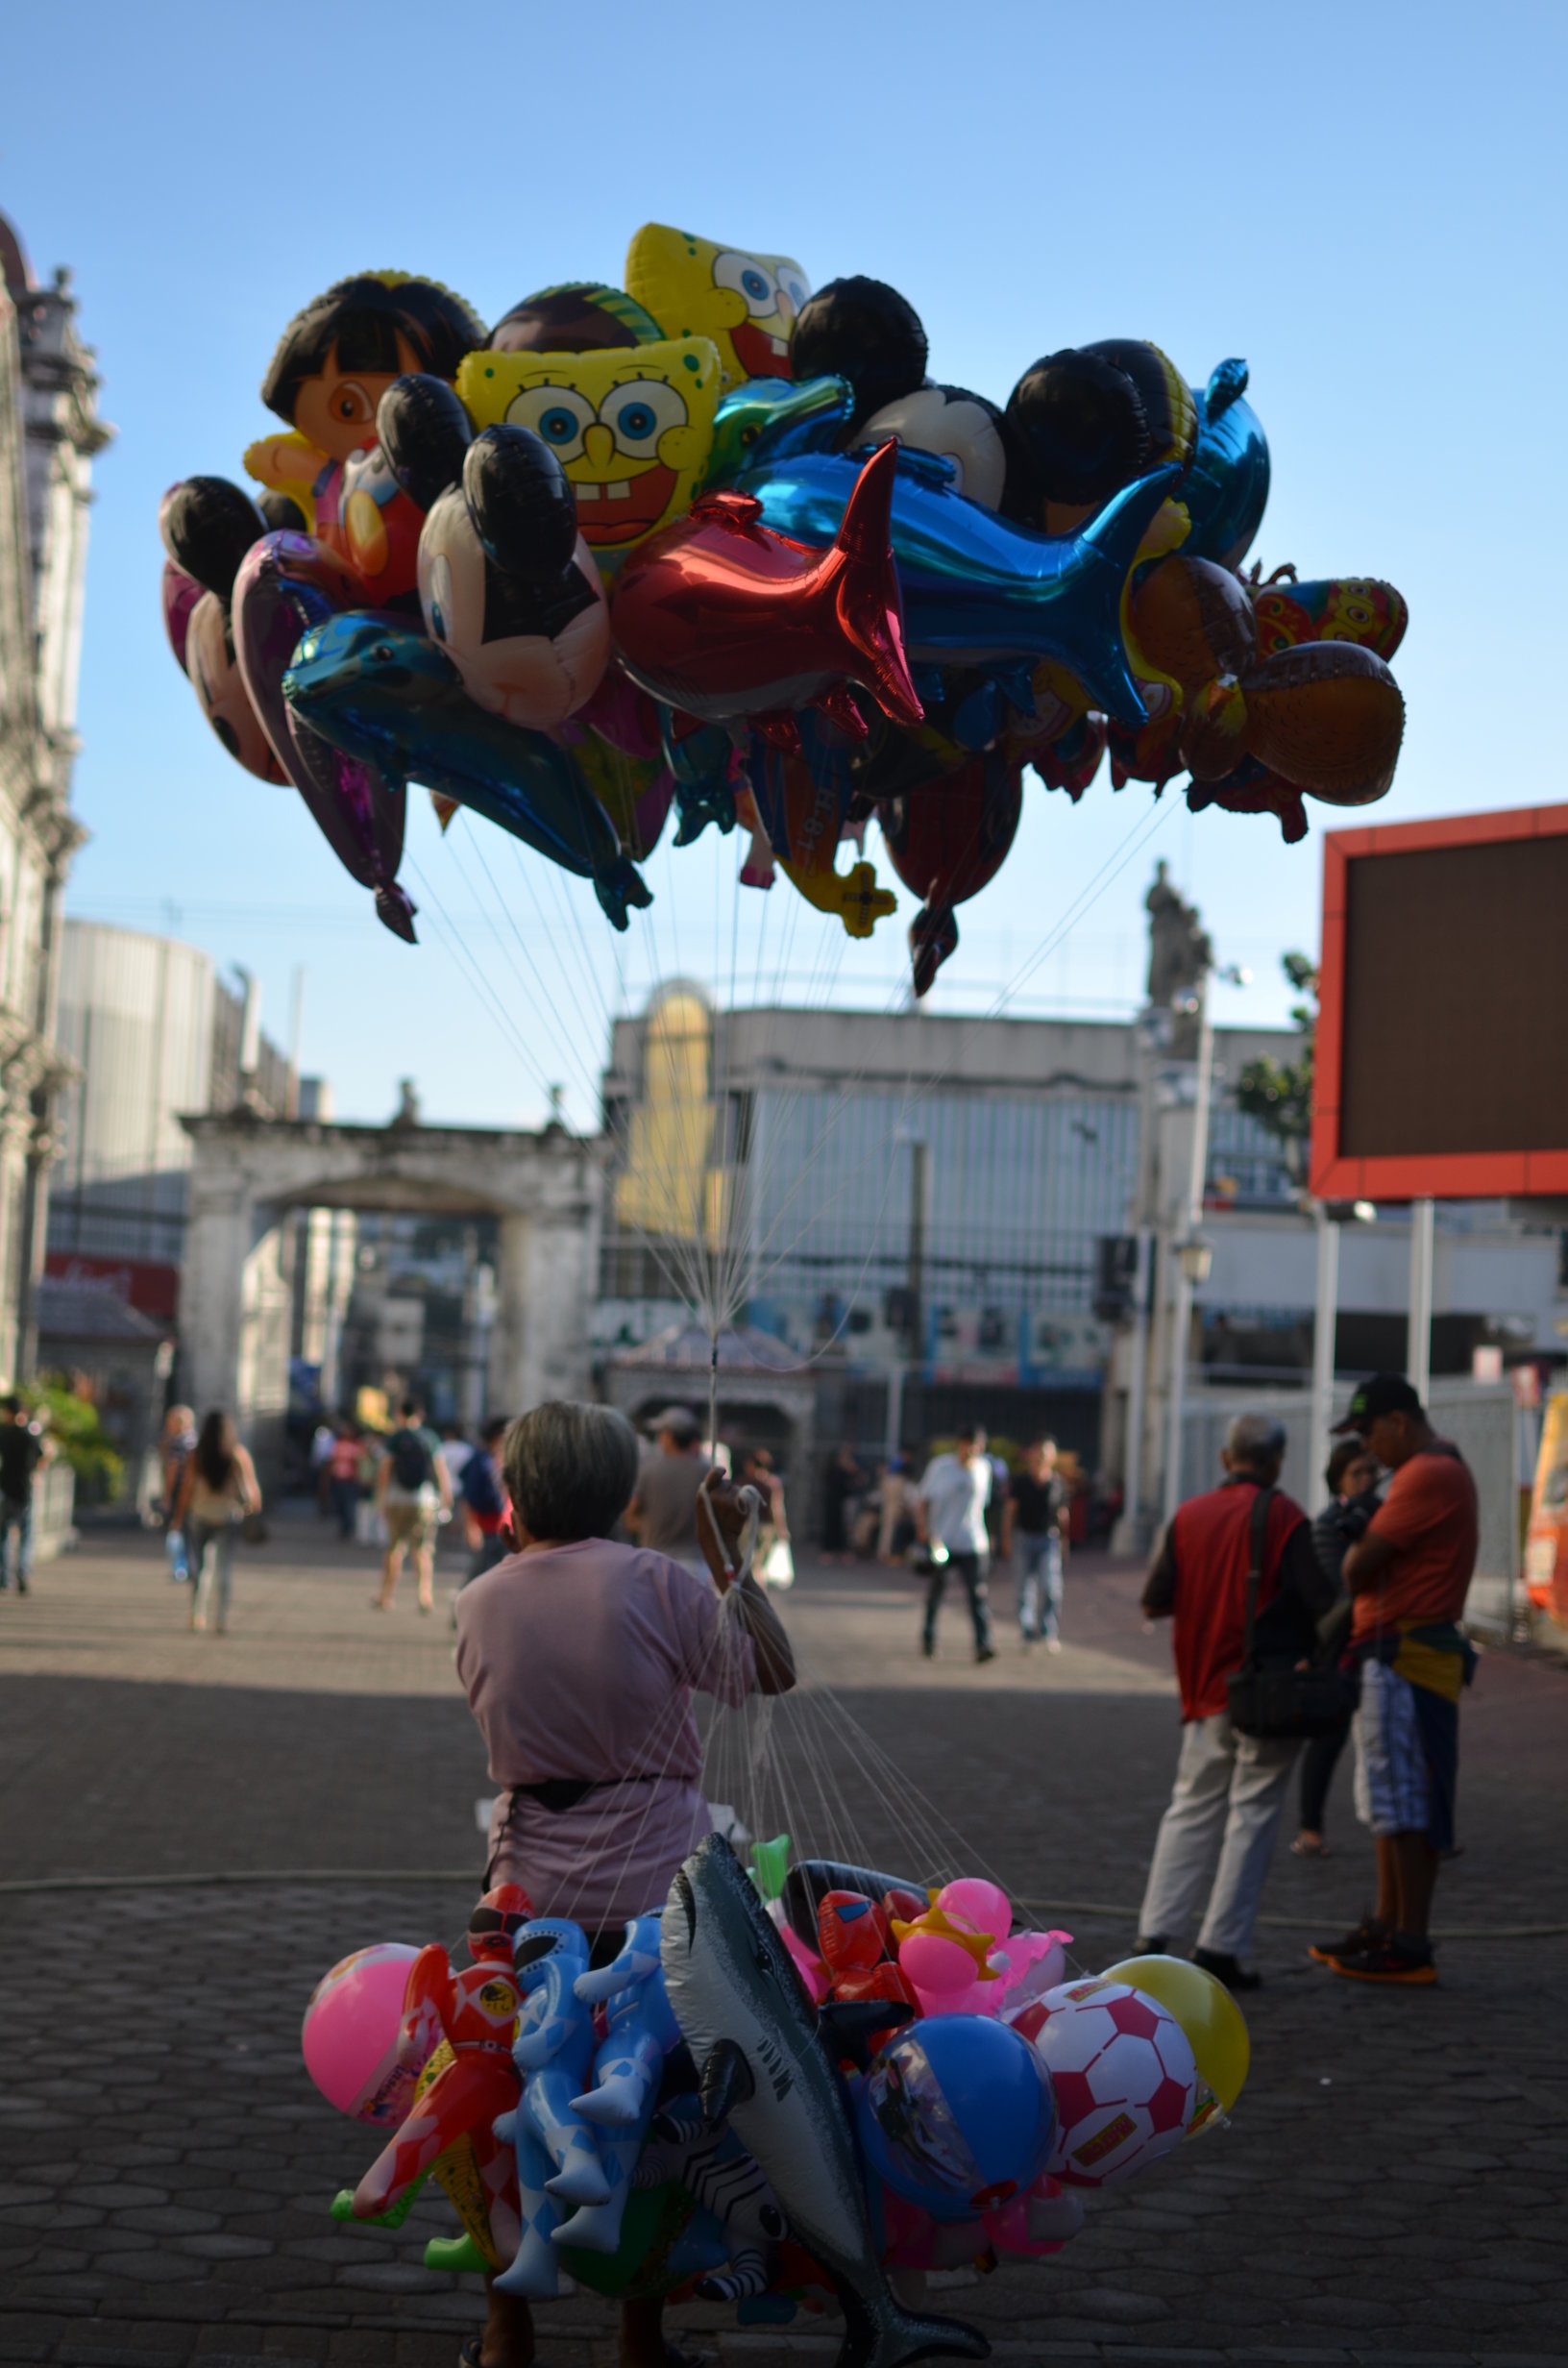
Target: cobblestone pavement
(1392, 2189)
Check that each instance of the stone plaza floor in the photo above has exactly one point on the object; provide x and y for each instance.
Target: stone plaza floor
(193, 1828)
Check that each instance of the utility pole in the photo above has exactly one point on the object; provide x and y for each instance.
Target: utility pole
(1193, 1256)
(913, 1328)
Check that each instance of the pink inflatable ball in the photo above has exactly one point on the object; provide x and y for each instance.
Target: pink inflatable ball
(983, 1904)
(350, 2037)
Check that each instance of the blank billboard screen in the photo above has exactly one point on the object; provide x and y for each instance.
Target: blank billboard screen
(1455, 1023)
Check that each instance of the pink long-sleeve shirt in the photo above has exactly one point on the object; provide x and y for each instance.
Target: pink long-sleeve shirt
(579, 1662)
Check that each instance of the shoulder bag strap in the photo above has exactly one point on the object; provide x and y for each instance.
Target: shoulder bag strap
(1258, 1532)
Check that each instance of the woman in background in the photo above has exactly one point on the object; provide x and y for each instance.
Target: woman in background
(175, 1448)
(218, 1488)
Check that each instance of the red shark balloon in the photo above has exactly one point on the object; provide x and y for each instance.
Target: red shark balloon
(946, 843)
(724, 619)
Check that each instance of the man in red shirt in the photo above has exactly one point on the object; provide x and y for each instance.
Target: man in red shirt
(1227, 1783)
(1408, 1577)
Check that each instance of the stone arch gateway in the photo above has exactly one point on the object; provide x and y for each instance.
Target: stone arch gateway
(248, 1172)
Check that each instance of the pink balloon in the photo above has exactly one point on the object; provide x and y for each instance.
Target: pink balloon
(810, 1969)
(1034, 1962)
(984, 1905)
(934, 1964)
(350, 2035)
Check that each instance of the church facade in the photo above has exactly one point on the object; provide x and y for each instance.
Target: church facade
(49, 434)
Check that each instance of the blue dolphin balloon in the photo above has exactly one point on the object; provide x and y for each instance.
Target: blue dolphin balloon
(979, 591)
(1226, 486)
(376, 687)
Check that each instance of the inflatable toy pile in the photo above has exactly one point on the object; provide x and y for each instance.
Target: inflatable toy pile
(768, 2101)
(717, 544)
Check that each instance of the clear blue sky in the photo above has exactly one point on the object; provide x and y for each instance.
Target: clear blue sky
(1369, 205)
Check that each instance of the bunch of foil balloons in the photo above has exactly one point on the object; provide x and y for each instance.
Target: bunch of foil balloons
(717, 545)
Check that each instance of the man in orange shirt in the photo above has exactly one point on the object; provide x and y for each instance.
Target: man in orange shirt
(1408, 1577)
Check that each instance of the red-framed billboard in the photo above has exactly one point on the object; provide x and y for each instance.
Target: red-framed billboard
(1441, 1068)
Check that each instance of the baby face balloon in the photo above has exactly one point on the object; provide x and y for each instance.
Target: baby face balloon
(631, 427)
(746, 304)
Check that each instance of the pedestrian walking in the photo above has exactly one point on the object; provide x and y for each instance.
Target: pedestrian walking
(343, 1478)
(579, 1658)
(413, 1494)
(24, 1446)
(1352, 1476)
(662, 1515)
(842, 1483)
(1230, 1788)
(485, 1505)
(951, 1522)
(1408, 1577)
(323, 1440)
(453, 1452)
(217, 1493)
(1037, 1519)
(774, 1559)
(895, 1527)
(176, 1444)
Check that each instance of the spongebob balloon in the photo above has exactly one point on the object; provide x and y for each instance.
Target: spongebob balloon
(631, 427)
(746, 304)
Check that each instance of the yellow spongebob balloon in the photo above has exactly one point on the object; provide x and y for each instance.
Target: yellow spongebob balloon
(631, 426)
(746, 304)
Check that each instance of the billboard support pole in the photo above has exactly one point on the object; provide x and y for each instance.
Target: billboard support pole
(1323, 1330)
(1418, 1345)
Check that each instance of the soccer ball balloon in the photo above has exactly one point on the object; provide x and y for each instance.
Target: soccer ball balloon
(1123, 2075)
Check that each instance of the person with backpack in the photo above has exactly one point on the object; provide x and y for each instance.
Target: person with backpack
(486, 1506)
(1229, 1786)
(412, 1493)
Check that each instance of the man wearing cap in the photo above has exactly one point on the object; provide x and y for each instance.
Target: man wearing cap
(663, 1512)
(1230, 1788)
(1407, 1576)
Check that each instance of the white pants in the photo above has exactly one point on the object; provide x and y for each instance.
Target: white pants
(1223, 1780)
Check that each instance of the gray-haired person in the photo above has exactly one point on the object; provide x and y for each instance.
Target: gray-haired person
(579, 1658)
(1230, 1789)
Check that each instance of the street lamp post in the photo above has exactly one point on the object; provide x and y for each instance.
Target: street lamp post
(1193, 1256)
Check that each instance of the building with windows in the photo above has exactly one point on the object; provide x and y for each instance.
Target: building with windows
(49, 434)
(932, 1217)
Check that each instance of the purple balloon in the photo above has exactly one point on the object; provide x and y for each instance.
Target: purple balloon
(287, 584)
(179, 595)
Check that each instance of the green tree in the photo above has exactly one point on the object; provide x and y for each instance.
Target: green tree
(81, 1438)
(1279, 1094)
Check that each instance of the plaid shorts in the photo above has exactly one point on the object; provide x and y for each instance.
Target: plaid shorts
(1406, 1757)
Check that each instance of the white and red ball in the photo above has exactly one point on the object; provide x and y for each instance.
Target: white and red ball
(1123, 2075)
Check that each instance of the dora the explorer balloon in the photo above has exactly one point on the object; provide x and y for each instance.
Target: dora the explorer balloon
(631, 426)
(333, 364)
(694, 288)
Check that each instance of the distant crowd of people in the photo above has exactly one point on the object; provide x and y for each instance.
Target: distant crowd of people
(1291, 1636)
